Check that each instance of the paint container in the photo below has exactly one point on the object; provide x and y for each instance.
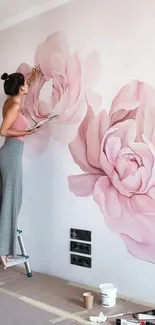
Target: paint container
(108, 293)
(145, 317)
(88, 298)
(120, 321)
(147, 314)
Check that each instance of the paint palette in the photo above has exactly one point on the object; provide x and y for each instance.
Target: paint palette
(41, 123)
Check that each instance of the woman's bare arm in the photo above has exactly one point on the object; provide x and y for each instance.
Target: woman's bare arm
(35, 73)
(9, 118)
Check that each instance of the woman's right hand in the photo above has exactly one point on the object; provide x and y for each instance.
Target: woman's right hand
(32, 131)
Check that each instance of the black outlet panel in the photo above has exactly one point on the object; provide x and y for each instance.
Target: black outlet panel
(83, 248)
(80, 234)
(81, 261)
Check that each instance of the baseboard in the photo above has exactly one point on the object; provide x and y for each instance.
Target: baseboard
(137, 301)
(130, 299)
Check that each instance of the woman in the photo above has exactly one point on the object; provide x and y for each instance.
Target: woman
(13, 128)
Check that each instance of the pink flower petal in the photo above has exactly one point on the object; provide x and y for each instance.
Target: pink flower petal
(143, 204)
(126, 132)
(125, 103)
(121, 166)
(105, 195)
(151, 193)
(41, 109)
(64, 132)
(127, 93)
(113, 148)
(25, 69)
(78, 147)
(57, 43)
(145, 114)
(62, 103)
(37, 143)
(82, 185)
(142, 150)
(132, 183)
(147, 122)
(65, 128)
(140, 250)
(77, 112)
(124, 111)
(74, 67)
(59, 81)
(105, 165)
(57, 63)
(151, 182)
(95, 133)
(119, 184)
(51, 54)
(94, 100)
(120, 217)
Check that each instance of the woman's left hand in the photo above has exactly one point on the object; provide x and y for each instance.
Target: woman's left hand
(35, 73)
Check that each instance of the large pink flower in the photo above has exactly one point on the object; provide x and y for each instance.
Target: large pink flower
(72, 82)
(117, 154)
(70, 89)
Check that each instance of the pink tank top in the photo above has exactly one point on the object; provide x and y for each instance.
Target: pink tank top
(20, 123)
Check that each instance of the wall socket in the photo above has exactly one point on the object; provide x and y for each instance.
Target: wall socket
(80, 234)
(80, 244)
(78, 247)
(81, 260)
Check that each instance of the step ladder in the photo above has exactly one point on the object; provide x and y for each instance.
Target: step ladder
(21, 258)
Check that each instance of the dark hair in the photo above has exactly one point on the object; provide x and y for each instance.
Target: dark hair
(12, 83)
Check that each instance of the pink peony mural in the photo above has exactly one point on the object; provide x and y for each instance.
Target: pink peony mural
(115, 150)
(72, 90)
(117, 154)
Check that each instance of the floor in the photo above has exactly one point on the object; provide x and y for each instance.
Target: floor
(45, 300)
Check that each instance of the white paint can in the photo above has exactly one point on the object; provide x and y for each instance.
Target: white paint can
(108, 294)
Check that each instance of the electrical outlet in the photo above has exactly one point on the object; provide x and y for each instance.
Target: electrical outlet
(79, 260)
(78, 247)
(80, 234)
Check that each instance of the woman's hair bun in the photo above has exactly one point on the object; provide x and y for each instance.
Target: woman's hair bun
(5, 76)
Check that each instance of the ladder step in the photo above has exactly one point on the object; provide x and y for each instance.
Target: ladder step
(18, 260)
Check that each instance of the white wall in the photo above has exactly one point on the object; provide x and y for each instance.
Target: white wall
(123, 34)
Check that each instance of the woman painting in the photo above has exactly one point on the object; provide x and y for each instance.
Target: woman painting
(13, 128)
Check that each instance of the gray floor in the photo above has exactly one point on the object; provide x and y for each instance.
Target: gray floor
(44, 300)
(15, 312)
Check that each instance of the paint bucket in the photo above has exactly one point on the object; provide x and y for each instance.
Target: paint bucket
(108, 293)
(88, 298)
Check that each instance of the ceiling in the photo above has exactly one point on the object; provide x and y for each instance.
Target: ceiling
(15, 11)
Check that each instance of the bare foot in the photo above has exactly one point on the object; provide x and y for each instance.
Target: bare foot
(9, 258)
(3, 262)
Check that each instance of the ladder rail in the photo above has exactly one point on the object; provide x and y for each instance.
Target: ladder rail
(23, 258)
(23, 251)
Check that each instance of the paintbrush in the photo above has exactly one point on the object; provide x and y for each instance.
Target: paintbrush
(101, 318)
(119, 315)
